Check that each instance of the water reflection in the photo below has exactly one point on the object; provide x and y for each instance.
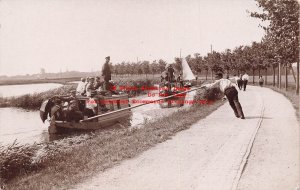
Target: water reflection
(23, 125)
(18, 90)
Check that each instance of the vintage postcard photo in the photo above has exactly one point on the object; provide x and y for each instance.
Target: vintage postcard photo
(149, 95)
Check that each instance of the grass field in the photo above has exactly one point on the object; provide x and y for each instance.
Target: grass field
(71, 79)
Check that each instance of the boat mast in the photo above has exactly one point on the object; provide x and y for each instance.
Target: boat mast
(181, 72)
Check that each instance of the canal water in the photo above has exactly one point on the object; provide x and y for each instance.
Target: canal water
(18, 90)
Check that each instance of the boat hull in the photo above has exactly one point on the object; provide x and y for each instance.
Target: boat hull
(97, 123)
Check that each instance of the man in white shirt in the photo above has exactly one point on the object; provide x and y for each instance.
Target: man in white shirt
(228, 88)
(245, 79)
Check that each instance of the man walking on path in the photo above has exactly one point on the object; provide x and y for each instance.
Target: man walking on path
(260, 81)
(245, 79)
(240, 82)
(227, 87)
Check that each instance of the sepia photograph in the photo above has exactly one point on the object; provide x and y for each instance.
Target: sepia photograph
(149, 95)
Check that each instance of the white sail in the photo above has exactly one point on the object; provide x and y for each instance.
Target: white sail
(187, 73)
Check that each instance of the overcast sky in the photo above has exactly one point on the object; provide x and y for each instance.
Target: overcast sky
(79, 34)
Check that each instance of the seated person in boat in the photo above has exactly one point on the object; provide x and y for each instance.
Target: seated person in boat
(107, 89)
(56, 111)
(90, 87)
(98, 83)
(72, 112)
(91, 91)
(91, 106)
(96, 94)
(80, 90)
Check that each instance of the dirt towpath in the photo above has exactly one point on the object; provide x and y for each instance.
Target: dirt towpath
(220, 152)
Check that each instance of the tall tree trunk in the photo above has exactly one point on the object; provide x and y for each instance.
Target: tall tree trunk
(266, 76)
(206, 74)
(238, 72)
(286, 77)
(253, 76)
(274, 73)
(293, 72)
(297, 83)
(259, 72)
(279, 75)
(212, 75)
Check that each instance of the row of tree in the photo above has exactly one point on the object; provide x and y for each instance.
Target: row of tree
(138, 68)
(278, 49)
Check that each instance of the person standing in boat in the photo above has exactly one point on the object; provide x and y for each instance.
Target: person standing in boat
(231, 93)
(106, 72)
(170, 73)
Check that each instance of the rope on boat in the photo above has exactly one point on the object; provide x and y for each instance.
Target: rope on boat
(129, 108)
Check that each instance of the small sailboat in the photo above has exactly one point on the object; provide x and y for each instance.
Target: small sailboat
(187, 73)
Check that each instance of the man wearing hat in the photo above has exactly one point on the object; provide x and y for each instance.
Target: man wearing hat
(106, 72)
(228, 88)
(170, 72)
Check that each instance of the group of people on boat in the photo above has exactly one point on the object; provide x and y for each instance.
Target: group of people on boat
(168, 80)
(92, 90)
(169, 75)
(66, 108)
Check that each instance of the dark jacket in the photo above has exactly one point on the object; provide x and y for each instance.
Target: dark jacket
(106, 72)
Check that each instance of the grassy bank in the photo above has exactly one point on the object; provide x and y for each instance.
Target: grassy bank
(71, 162)
(72, 79)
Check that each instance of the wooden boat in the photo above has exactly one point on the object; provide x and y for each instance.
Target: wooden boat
(117, 112)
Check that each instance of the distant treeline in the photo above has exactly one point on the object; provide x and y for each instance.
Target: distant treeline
(278, 49)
